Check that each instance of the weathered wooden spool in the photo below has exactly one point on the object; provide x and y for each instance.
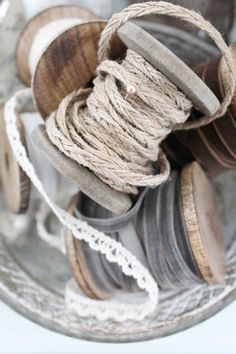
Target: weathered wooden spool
(65, 64)
(213, 145)
(174, 230)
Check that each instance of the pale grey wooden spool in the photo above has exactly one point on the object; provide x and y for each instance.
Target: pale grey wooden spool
(33, 284)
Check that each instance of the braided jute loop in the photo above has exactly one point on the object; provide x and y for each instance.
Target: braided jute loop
(115, 129)
(189, 16)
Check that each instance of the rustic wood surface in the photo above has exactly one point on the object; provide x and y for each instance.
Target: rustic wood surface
(15, 183)
(223, 77)
(202, 223)
(182, 273)
(213, 145)
(31, 28)
(66, 65)
(182, 235)
(75, 256)
(161, 228)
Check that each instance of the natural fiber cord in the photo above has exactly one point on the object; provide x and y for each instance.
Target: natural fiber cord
(115, 129)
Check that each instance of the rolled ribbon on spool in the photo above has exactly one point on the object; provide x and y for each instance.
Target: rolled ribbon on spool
(61, 62)
(181, 233)
(94, 275)
(174, 229)
(214, 145)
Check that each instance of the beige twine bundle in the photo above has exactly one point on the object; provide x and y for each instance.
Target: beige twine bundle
(117, 135)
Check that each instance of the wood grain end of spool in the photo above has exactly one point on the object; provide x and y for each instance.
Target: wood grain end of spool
(86, 266)
(66, 65)
(202, 223)
(34, 24)
(15, 183)
(73, 246)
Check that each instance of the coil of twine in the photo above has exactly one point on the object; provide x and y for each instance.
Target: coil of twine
(115, 128)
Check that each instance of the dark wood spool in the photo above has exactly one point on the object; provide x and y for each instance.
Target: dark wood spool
(31, 28)
(213, 145)
(68, 63)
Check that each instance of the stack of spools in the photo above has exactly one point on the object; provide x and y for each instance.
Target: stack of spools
(168, 221)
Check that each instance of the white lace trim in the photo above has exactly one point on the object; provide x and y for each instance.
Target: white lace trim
(116, 309)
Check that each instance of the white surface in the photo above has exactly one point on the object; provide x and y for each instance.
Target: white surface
(214, 336)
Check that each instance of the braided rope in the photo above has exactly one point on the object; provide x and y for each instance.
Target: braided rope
(117, 135)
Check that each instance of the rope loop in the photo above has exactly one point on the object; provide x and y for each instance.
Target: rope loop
(191, 17)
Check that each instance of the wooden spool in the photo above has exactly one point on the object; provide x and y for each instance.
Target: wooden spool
(178, 228)
(180, 231)
(80, 176)
(213, 145)
(102, 278)
(68, 63)
(15, 183)
(202, 223)
(85, 265)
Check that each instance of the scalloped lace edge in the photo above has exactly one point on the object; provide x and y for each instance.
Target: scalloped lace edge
(77, 303)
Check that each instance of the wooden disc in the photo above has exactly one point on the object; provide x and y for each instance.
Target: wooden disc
(102, 219)
(121, 228)
(202, 223)
(66, 65)
(75, 255)
(38, 21)
(16, 184)
(183, 277)
(182, 236)
(169, 64)
(87, 266)
(81, 177)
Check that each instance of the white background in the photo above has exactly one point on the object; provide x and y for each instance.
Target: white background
(18, 335)
(214, 336)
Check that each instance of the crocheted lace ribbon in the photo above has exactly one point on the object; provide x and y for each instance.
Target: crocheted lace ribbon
(119, 309)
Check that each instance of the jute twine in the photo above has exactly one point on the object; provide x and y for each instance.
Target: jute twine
(115, 129)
